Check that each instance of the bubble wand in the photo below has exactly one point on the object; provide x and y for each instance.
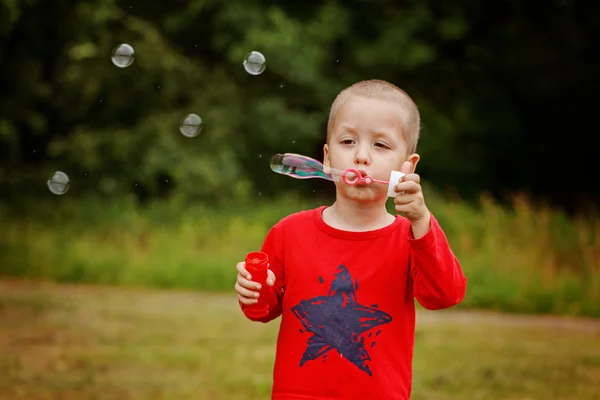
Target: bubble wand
(303, 167)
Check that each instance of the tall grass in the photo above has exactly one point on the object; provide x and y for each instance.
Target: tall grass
(524, 258)
(527, 257)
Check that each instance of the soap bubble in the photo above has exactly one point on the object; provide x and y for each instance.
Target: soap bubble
(59, 183)
(255, 63)
(123, 55)
(191, 125)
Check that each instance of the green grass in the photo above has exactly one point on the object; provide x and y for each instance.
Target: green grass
(94, 342)
(527, 258)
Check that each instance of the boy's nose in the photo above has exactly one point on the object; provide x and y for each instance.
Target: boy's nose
(362, 156)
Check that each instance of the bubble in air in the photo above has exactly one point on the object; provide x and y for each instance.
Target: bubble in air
(191, 125)
(123, 55)
(255, 63)
(59, 183)
(298, 166)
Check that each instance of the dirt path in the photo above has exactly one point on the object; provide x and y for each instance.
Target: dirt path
(165, 299)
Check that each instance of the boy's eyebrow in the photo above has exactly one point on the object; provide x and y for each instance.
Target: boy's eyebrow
(348, 128)
(351, 129)
(376, 133)
(382, 133)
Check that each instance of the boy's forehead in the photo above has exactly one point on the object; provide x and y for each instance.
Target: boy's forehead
(380, 116)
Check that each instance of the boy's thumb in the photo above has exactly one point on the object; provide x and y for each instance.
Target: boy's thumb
(406, 167)
(271, 275)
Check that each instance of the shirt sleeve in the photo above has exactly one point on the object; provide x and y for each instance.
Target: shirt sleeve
(438, 279)
(273, 247)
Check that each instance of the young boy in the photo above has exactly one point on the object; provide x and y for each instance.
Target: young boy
(343, 277)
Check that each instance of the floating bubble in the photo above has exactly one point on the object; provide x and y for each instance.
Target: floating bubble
(191, 125)
(123, 55)
(255, 63)
(302, 167)
(59, 183)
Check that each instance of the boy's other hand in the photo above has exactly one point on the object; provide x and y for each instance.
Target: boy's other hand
(247, 290)
(411, 202)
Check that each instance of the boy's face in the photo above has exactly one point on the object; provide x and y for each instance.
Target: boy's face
(368, 135)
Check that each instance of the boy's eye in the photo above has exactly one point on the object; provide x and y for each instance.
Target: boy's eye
(383, 145)
(347, 141)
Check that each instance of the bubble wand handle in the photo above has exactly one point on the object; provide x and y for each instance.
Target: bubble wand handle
(353, 177)
(356, 178)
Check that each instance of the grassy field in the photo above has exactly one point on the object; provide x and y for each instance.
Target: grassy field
(83, 342)
(526, 258)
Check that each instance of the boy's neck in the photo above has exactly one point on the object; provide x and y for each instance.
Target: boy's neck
(357, 217)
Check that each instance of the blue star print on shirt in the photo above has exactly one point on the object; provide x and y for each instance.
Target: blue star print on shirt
(337, 321)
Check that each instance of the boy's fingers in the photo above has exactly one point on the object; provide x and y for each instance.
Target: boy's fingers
(404, 199)
(408, 186)
(411, 177)
(241, 268)
(245, 300)
(245, 292)
(271, 278)
(403, 208)
(245, 283)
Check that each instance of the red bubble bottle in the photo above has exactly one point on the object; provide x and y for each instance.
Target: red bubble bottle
(257, 264)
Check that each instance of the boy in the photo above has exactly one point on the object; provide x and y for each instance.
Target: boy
(343, 277)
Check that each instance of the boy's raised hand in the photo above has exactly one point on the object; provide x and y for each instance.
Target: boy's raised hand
(246, 289)
(410, 201)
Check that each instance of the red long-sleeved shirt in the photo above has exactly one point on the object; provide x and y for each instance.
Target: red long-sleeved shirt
(347, 305)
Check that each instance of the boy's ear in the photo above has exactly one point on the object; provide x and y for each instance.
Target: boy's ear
(326, 155)
(414, 160)
(326, 158)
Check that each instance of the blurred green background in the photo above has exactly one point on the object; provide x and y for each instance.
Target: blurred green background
(505, 92)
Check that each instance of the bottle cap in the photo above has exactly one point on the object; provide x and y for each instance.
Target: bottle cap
(256, 258)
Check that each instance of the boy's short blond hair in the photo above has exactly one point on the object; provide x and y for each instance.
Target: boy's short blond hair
(382, 90)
